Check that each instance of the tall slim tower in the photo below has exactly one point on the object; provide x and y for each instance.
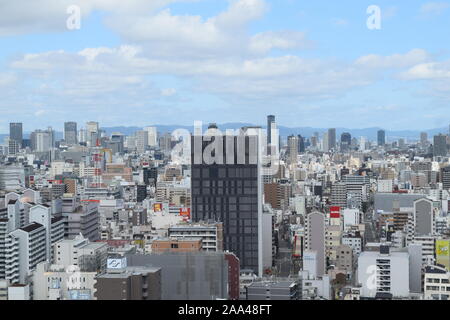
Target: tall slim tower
(270, 122)
(381, 137)
(15, 132)
(440, 145)
(293, 149)
(332, 139)
(226, 186)
(70, 132)
(315, 239)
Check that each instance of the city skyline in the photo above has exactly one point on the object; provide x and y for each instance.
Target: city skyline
(224, 155)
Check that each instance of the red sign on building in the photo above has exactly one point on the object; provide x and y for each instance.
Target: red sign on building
(185, 212)
(335, 212)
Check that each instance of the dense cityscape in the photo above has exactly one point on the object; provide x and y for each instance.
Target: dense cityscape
(213, 214)
(207, 159)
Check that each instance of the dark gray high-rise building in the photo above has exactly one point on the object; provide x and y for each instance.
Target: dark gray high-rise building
(332, 139)
(423, 139)
(70, 132)
(445, 177)
(423, 217)
(440, 145)
(346, 141)
(301, 144)
(381, 137)
(229, 190)
(15, 132)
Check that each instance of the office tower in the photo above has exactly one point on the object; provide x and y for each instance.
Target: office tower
(346, 141)
(423, 218)
(42, 140)
(227, 187)
(445, 177)
(424, 139)
(331, 139)
(301, 144)
(270, 122)
(15, 132)
(141, 141)
(401, 143)
(358, 188)
(165, 143)
(141, 192)
(80, 218)
(325, 142)
(339, 194)
(315, 239)
(293, 149)
(152, 136)
(314, 142)
(440, 145)
(70, 132)
(381, 137)
(92, 133)
(82, 136)
(277, 195)
(150, 175)
(13, 147)
(117, 142)
(362, 144)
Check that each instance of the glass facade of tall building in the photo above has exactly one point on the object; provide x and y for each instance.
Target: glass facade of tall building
(228, 191)
(15, 132)
(381, 137)
(70, 132)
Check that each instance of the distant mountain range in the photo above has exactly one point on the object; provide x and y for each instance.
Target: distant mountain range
(370, 133)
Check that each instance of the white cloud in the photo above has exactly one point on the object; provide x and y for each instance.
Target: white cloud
(36, 16)
(266, 41)
(411, 58)
(7, 79)
(339, 22)
(94, 72)
(434, 8)
(168, 92)
(431, 70)
(40, 112)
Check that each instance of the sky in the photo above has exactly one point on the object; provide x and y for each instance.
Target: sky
(142, 62)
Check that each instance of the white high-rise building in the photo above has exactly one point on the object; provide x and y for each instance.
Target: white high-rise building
(31, 248)
(92, 133)
(315, 239)
(152, 136)
(141, 141)
(384, 274)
